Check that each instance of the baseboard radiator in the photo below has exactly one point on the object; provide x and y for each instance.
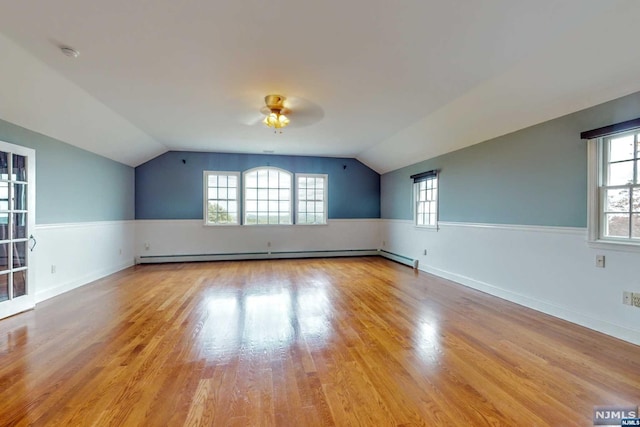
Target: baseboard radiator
(150, 259)
(399, 258)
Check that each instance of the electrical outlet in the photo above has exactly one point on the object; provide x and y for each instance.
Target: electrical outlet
(146, 246)
(600, 261)
(626, 298)
(635, 300)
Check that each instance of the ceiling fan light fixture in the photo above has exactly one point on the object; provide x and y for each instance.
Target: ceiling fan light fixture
(276, 118)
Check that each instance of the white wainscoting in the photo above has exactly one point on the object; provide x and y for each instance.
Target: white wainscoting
(81, 253)
(181, 240)
(549, 269)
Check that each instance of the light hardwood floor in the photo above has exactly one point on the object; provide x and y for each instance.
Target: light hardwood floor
(351, 341)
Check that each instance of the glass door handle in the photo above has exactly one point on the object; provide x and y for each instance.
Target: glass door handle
(32, 242)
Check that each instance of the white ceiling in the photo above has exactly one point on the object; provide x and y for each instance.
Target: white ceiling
(395, 82)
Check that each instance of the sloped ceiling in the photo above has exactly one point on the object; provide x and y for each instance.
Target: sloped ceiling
(391, 83)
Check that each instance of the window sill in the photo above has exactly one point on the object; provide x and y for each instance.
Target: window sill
(426, 227)
(220, 225)
(614, 245)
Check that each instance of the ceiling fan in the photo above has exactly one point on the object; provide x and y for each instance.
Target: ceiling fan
(280, 111)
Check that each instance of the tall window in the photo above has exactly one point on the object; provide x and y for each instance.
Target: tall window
(267, 196)
(312, 199)
(221, 194)
(620, 186)
(425, 187)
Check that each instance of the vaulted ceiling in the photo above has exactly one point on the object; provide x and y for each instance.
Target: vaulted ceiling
(389, 83)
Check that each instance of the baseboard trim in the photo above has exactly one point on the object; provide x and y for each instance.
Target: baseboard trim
(150, 259)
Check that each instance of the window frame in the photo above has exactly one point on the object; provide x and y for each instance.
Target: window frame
(325, 196)
(244, 196)
(597, 163)
(238, 199)
(416, 201)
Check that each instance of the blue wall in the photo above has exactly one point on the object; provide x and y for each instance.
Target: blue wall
(74, 185)
(536, 176)
(168, 188)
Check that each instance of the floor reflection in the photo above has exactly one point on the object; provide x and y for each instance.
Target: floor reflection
(268, 320)
(428, 346)
(313, 307)
(264, 321)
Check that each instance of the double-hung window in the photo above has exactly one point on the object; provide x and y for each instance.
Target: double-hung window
(267, 196)
(614, 181)
(425, 193)
(312, 199)
(221, 195)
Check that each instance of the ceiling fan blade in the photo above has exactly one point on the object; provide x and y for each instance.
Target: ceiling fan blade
(251, 119)
(304, 112)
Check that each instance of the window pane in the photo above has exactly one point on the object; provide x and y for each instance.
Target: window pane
(621, 148)
(273, 206)
(19, 283)
(263, 178)
(636, 199)
(273, 194)
(635, 226)
(263, 194)
(284, 206)
(4, 256)
(252, 194)
(19, 168)
(285, 219)
(222, 181)
(4, 226)
(620, 173)
(212, 181)
(19, 254)
(232, 193)
(4, 165)
(617, 200)
(4, 196)
(251, 179)
(19, 226)
(20, 197)
(617, 225)
(4, 287)
(212, 193)
(222, 193)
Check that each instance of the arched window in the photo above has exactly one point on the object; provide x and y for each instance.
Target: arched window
(267, 196)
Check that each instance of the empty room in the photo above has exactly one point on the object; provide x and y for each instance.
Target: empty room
(285, 213)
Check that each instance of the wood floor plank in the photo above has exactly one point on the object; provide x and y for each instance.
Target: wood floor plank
(317, 342)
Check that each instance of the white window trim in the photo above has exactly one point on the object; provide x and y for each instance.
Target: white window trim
(244, 196)
(426, 227)
(594, 203)
(205, 204)
(325, 199)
